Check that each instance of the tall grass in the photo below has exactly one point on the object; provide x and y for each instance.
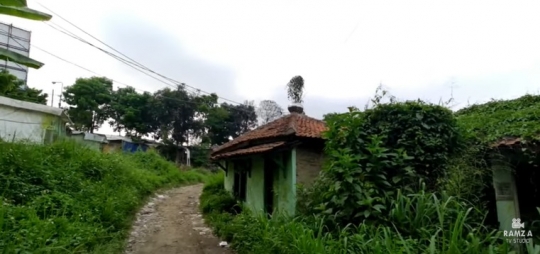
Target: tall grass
(422, 223)
(65, 198)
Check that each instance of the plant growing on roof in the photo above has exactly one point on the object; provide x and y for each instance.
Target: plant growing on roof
(295, 90)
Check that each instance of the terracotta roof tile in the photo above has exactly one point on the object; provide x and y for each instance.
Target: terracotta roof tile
(251, 150)
(506, 142)
(295, 124)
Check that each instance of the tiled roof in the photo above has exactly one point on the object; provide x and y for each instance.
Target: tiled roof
(251, 150)
(294, 124)
(513, 142)
(506, 142)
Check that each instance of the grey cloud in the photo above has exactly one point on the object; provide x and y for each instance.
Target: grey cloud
(156, 49)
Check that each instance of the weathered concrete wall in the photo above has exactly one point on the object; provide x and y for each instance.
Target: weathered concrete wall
(31, 126)
(309, 163)
(506, 196)
(285, 184)
(255, 186)
(112, 147)
(229, 176)
(89, 143)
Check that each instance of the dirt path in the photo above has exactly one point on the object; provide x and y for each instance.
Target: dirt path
(171, 223)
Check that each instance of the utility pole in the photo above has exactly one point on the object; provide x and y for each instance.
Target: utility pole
(61, 91)
(52, 98)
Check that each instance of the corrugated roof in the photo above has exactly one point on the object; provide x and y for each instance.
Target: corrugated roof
(116, 137)
(298, 125)
(30, 106)
(91, 136)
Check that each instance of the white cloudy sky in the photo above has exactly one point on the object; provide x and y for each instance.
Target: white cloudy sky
(249, 50)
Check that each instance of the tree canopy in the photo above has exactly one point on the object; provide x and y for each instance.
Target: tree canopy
(268, 111)
(174, 115)
(89, 100)
(14, 88)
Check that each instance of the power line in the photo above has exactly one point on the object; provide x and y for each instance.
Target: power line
(115, 81)
(64, 31)
(124, 84)
(132, 61)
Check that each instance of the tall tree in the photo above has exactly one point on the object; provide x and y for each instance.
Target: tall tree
(206, 105)
(132, 112)
(217, 125)
(19, 8)
(268, 111)
(242, 118)
(89, 100)
(14, 88)
(175, 114)
(227, 120)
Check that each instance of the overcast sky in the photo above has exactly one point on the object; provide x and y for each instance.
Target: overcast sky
(249, 50)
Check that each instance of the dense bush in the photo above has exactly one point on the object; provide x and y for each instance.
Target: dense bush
(65, 198)
(215, 199)
(373, 153)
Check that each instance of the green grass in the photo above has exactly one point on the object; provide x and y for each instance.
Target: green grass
(65, 198)
(423, 223)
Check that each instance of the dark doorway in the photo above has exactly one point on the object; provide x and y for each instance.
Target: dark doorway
(528, 190)
(241, 168)
(239, 187)
(270, 168)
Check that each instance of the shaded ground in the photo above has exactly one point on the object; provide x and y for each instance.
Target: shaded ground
(171, 223)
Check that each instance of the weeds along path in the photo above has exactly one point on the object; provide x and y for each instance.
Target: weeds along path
(172, 223)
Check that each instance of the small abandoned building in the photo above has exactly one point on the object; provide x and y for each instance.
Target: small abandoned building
(515, 180)
(263, 166)
(31, 122)
(92, 140)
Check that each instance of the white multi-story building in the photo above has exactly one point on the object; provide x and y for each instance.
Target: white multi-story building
(16, 40)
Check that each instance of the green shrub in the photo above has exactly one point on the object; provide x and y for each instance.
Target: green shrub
(65, 198)
(215, 199)
(373, 153)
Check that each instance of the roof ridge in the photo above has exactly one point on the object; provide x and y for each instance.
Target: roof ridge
(298, 125)
(292, 124)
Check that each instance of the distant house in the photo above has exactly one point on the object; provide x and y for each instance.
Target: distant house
(32, 122)
(126, 144)
(180, 155)
(263, 166)
(92, 140)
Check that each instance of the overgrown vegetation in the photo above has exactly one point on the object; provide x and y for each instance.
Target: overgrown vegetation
(12, 87)
(374, 153)
(434, 224)
(499, 119)
(65, 198)
(517, 122)
(401, 177)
